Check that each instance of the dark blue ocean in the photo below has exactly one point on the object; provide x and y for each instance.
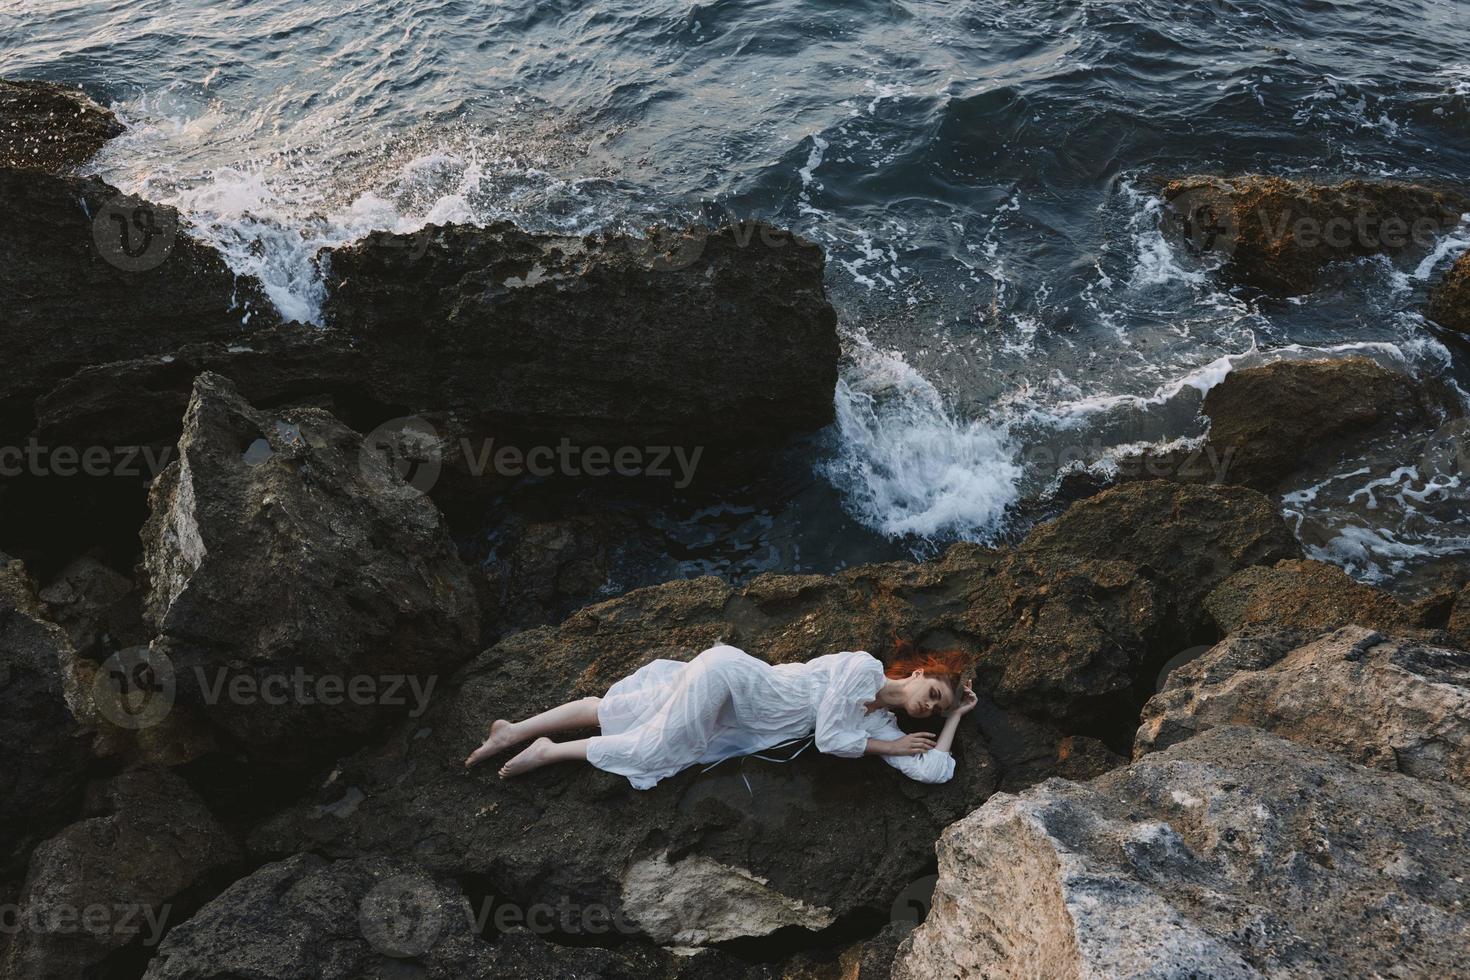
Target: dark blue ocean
(981, 174)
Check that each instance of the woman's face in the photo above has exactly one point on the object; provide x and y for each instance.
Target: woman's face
(926, 695)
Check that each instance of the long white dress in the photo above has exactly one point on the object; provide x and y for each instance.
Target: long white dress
(669, 715)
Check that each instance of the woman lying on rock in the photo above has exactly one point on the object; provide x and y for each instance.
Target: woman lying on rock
(670, 715)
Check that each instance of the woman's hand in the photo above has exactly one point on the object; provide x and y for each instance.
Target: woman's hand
(968, 700)
(916, 743)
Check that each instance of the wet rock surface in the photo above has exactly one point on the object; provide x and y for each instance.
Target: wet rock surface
(281, 553)
(718, 339)
(1233, 854)
(1277, 234)
(49, 127)
(1270, 421)
(1379, 701)
(1450, 303)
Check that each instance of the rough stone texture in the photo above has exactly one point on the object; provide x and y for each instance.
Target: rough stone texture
(731, 903)
(1312, 597)
(63, 305)
(100, 608)
(1017, 613)
(1069, 639)
(1277, 234)
(836, 835)
(697, 338)
(1449, 305)
(369, 917)
(551, 567)
(1233, 854)
(279, 544)
(1185, 538)
(1378, 701)
(1269, 421)
(148, 857)
(46, 756)
(141, 401)
(45, 126)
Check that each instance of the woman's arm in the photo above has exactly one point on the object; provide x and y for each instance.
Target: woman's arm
(922, 755)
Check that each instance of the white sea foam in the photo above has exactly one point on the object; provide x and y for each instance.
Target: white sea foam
(906, 465)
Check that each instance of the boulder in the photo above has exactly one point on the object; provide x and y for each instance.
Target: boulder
(1276, 234)
(99, 608)
(1185, 538)
(1310, 597)
(718, 339)
(1233, 854)
(301, 590)
(377, 917)
(1064, 642)
(46, 754)
(89, 275)
(1379, 701)
(1449, 305)
(1065, 639)
(745, 850)
(1269, 421)
(141, 401)
(45, 126)
(108, 886)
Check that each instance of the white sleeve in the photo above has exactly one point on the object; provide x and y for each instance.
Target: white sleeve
(842, 711)
(934, 766)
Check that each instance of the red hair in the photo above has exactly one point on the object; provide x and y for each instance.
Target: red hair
(944, 665)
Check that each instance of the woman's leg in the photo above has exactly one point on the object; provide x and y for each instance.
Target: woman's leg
(504, 734)
(543, 752)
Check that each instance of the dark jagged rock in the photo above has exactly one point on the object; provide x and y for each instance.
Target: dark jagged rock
(44, 126)
(1270, 421)
(1276, 234)
(1064, 639)
(373, 917)
(1055, 632)
(719, 339)
(744, 861)
(100, 608)
(1374, 699)
(280, 548)
(1187, 538)
(46, 756)
(70, 297)
(1310, 597)
(147, 857)
(1233, 854)
(1450, 304)
(141, 401)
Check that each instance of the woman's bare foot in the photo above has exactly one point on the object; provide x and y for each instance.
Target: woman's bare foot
(502, 737)
(533, 756)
